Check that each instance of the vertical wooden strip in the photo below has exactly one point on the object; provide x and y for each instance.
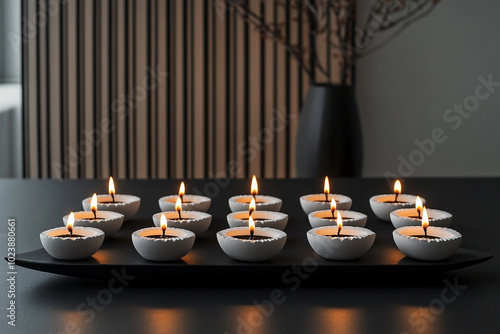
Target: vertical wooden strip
(105, 89)
(149, 94)
(228, 62)
(162, 59)
(72, 158)
(270, 96)
(198, 95)
(97, 91)
(286, 110)
(180, 85)
(255, 81)
(240, 139)
(118, 105)
(63, 88)
(87, 131)
(25, 93)
(263, 83)
(142, 156)
(54, 129)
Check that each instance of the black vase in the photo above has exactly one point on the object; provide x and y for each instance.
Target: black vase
(329, 140)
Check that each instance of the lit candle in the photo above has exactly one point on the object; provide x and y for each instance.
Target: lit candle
(240, 202)
(251, 207)
(127, 205)
(178, 207)
(254, 189)
(383, 205)
(189, 202)
(251, 227)
(163, 222)
(333, 207)
(339, 223)
(111, 188)
(418, 206)
(425, 221)
(319, 202)
(326, 188)
(182, 191)
(93, 205)
(72, 242)
(71, 221)
(397, 190)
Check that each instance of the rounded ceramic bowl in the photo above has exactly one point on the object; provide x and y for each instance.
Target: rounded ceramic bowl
(127, 205)
(194, 221)
(261, 219)
(349, 218)
(409, 217)
(264, 203)
(191, 203)
(383, 210)
(108, 221)
(72, 248)
(408, 242)
(316, 202)
(251, 250)
(355, 243)
(168, 249)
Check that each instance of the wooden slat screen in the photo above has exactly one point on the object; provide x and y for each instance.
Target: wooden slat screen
(159, 89)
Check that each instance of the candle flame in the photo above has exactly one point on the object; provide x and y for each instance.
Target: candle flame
(178, 205)
(71, 222)
(418, 204)
(326, 189)
(425, 219)
(163, 222)
(182, 189)
(251, 226)
(255, 187)
(333, 205)
(111, 187)
(339, 223)
(397, 187)
(93, 203)
(252, 207)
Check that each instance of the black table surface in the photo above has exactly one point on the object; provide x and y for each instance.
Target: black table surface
(461, 301)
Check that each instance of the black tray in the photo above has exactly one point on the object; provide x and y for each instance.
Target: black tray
(207, 261)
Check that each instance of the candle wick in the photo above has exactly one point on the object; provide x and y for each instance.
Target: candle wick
(396, 197)
(163, 233)
(182, 198)
(338, 232)
(95, 214)
(418, 214)
(425, 231)
(326, 197)
(113, 197)
(70, 233)
(333, 214)
(179, 212)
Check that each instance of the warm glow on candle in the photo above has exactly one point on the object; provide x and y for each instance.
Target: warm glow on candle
(425, 220)
(163, 222)
(333, 205)
(111, 188)
(93, 204)
(339, 223)
(418, 205)
(326, 189)
(71, 221)
(255, 187)
(397, 187)
(178, 205)
(251, 226)
(251, 207)
(182, 190)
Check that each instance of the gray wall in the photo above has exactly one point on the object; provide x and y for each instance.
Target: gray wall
(10, 56)
(405, 89)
